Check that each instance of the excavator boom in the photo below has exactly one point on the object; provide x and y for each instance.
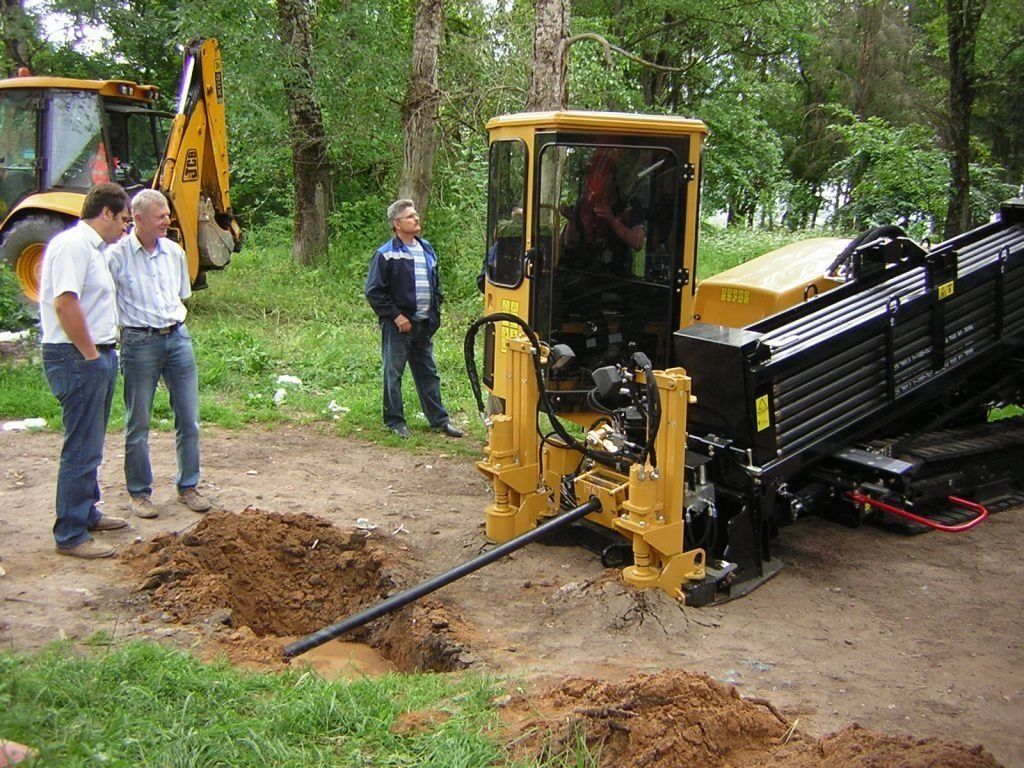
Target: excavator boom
(194, 170)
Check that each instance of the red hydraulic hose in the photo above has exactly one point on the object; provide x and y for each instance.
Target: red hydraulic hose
(863, 498)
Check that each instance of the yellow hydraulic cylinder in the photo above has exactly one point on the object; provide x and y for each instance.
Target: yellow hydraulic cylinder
(642, 509)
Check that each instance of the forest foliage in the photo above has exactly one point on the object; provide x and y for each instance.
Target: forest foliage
(822, 112)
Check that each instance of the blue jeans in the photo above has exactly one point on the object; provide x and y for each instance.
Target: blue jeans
(85, 390)
(145, 358)
(417, 349)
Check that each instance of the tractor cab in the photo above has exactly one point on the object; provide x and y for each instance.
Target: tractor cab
(60, 136)
(591, 230)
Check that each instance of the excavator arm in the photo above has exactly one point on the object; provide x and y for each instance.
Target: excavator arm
(194, 171)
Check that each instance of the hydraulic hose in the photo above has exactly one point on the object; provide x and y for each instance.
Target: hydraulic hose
(395, 602)
(982, 513)
(602, 457)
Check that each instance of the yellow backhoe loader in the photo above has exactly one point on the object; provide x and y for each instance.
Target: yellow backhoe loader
(59, 136)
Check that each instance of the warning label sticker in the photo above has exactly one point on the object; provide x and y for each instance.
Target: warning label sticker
(764, 416)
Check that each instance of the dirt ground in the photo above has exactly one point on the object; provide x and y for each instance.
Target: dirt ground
(918, 637)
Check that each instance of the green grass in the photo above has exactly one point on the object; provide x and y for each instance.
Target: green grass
(264, 317)
(143, 705)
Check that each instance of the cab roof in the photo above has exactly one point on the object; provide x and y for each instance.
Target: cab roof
(120, 89)
(600, 122)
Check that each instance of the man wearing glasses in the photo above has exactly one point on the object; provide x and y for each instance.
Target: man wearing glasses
(404, 289)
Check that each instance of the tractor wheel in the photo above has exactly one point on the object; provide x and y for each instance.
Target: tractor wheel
(22, 249)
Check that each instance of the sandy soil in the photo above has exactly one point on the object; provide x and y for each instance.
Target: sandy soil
(918, 637)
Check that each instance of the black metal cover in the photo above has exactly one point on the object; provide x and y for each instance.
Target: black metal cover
(799, 385)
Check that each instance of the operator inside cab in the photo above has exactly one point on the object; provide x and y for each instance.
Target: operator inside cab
(602, 229)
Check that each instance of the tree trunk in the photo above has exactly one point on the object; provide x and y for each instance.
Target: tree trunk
(306, 127)
(17, 29)
(548, 87)
(962, 20)
(419, 110)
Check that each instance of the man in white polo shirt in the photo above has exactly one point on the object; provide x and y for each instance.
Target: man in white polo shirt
(79, 324)
(152, 278)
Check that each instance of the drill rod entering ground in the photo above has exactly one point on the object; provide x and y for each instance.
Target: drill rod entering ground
(395, 602)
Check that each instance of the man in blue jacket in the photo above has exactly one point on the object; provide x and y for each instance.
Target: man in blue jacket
(404, 289)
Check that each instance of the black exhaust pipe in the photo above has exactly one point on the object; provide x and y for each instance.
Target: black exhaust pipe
(395, 602)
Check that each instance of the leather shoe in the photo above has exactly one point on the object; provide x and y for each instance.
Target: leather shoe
(402, 431)
(90, 550)
(194, 500)
(450, 430)
(108, 523)
(143, 507)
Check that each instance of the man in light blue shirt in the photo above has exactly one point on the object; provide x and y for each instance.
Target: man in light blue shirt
(151, 274)
(79, 324)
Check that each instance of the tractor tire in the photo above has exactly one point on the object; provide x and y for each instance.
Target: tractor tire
(22, 249)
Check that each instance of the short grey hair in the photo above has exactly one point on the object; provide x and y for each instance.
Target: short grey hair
(146, 200)
(396, 208)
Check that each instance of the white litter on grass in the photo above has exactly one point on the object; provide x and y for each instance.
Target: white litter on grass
(13, 335)
(333, 407)
(364, 525)
(21, 426)
(284, 378)
(279, 396)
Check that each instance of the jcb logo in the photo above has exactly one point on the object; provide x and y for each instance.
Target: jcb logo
(191, 172)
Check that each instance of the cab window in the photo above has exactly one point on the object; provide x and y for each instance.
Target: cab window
(506, 226)
(19, 119)
(76, 157)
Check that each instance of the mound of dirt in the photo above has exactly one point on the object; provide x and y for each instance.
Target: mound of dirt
(658, 721)
(677, 718)
(257, 577)
(856, 747)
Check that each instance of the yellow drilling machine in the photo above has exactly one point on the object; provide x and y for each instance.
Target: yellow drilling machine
(849, 378)
(59, 136)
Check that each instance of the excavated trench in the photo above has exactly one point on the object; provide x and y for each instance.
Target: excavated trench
(257, 579)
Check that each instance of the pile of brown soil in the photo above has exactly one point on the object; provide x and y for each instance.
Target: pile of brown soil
(658, 721)
(678, 718)
(856, 747)
(257, 577)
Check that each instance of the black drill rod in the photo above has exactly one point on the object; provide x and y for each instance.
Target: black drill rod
(395, 602)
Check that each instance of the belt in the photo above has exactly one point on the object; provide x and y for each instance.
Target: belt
(105, 347)
(161, 331)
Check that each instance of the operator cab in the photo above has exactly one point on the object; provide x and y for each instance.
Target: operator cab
(58, 137)
(66, 135)
(591, 235)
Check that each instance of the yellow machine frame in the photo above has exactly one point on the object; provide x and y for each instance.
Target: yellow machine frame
(645, 506)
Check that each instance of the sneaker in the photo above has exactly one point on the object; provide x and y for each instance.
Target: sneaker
(194, 500)
(90, 550)
(108, 523)
(141, 506)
